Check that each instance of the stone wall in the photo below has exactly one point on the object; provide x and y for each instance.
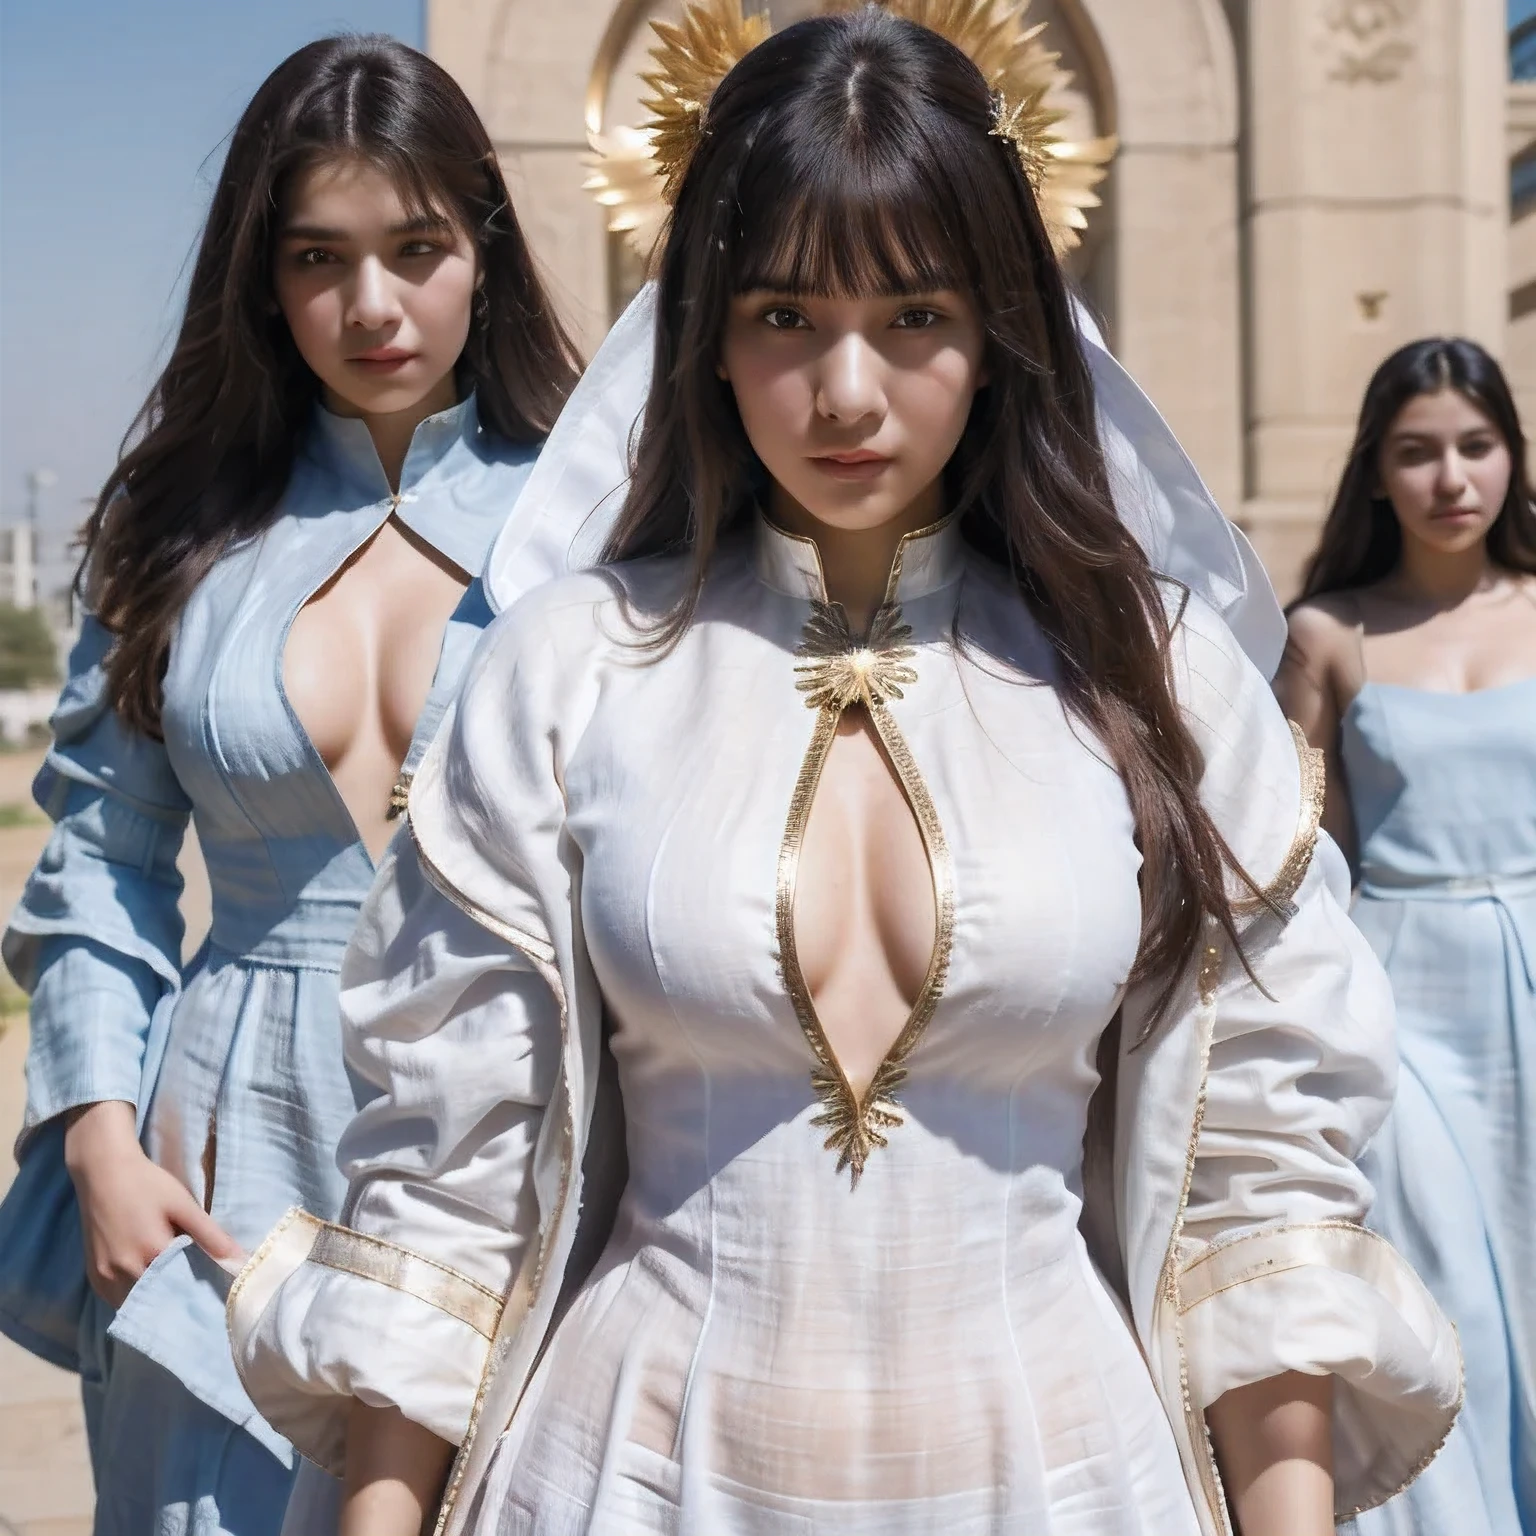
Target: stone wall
(1302, 186)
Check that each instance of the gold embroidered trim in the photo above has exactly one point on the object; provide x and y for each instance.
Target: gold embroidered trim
(537, 949)
(412, 1274)
(1207, 1288)
(907, 540)
(1195, 1425)
(520, 1299)
(840, 671)
(293, 1214)
(1226, 1243)
(1298, 858)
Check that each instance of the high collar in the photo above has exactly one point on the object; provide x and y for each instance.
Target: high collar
(926, 561)
(344, 444)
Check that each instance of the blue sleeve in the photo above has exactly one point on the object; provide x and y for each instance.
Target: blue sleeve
(96, 937)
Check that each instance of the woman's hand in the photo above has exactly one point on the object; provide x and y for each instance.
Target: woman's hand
(395, 1474)
(130, 1207)
(1274, 1444)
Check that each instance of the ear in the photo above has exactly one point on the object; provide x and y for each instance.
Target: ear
(720, 372)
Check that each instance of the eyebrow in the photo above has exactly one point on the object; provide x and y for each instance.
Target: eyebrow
(425, 223)
(1411, 435)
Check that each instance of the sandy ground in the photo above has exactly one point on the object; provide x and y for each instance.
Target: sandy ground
(45, 1478)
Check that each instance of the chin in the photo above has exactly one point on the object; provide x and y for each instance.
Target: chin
(1456, 541)
(863, 509)
(384, 400)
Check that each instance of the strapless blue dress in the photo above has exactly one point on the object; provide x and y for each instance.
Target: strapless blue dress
(1443, 788)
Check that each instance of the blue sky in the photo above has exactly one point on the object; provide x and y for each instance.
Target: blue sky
(1521, 10)
(113, 115)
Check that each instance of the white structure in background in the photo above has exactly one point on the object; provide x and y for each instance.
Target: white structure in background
(22, 711)
(1302, 186)
(18, 565)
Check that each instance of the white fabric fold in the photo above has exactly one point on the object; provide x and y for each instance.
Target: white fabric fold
(1329, 1298)
(308, 1339)
(464, 1036)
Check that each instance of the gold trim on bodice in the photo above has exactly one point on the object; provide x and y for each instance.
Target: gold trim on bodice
(1298, 858)
(836, 671)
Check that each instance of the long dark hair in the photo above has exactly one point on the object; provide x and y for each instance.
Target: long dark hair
(852, 154)
(1362, 540)
(206, 462)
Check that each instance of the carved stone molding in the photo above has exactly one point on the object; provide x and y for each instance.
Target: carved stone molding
(1369, 40)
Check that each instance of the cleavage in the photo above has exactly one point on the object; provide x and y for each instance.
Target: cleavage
(864, 918)
(359, 663)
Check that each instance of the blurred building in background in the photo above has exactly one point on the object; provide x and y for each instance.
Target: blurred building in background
(1302, 185)
(18, 565)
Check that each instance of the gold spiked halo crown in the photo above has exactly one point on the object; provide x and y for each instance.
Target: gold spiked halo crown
(635, 173)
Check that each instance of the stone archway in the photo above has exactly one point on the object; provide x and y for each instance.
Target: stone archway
(1177, 288)
(525, 65)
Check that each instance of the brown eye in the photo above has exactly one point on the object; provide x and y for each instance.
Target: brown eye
(782, 318)
(917, 319)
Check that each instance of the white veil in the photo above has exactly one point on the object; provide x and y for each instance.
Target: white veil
(572, 497)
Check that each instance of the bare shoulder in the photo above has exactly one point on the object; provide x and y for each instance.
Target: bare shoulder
(1323, 634)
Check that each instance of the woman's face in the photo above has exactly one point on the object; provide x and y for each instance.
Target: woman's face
(1445, 467)
(854, 405)
(378, 301)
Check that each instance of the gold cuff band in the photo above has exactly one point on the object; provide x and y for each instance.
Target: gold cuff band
(370, 1258)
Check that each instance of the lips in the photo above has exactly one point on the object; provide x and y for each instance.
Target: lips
(382, 359)
(860, 464)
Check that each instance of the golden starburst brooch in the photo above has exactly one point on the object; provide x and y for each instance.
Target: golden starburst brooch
(840, 669)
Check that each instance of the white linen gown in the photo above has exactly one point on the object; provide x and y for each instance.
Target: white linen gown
(813, 1315)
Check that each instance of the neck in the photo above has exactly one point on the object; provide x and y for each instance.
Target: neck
(1434, 576)
(392, 431)
(856, 562)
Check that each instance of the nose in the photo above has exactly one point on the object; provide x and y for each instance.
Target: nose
(374, 305)
(848, 385)
(1453, 474)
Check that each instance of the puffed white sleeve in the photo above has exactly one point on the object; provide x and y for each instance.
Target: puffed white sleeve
(1276, 1271)
(453, 1034)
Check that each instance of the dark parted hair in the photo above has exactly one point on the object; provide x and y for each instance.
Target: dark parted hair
(852, 154)
(206, 462)
(1362, 541)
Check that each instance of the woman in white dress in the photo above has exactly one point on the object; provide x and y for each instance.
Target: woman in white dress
(873, 832)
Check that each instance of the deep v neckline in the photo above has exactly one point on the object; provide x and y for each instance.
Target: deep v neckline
(836, 670)
(426, 717)
(343, 447)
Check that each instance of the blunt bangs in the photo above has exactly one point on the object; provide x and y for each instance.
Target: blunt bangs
(835, 210)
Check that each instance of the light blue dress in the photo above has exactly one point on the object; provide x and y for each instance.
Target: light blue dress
(1444, 794)
(234, 1061)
